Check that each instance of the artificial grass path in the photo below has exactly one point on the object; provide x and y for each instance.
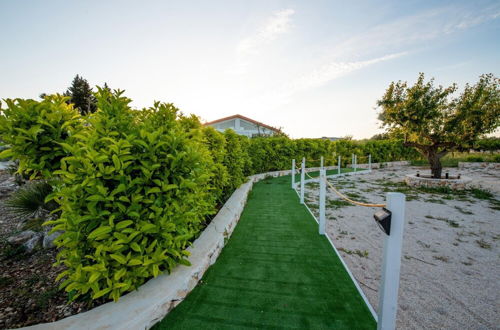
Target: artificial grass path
(275, 272)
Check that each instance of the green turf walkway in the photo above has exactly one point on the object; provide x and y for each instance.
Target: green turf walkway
(276, 272)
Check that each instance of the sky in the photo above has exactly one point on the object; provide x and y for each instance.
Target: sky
(313, 68)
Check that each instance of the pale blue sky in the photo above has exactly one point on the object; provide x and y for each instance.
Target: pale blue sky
(314, 68)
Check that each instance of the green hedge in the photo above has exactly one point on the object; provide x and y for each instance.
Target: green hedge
(134, 195)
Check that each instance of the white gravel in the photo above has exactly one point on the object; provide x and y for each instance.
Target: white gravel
(450, 273)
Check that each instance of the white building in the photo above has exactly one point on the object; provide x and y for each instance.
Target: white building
(243, 126)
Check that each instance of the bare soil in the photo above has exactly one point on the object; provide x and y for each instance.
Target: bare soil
(28, 291)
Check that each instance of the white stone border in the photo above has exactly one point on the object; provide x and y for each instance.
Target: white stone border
(143, 308)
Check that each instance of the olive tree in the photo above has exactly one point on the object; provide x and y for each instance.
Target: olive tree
(435, 120)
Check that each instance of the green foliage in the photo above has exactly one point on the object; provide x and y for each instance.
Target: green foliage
(30, 200)
(133, 196)
(35, 132)
(489, 144)
(80, 94)
(435, 122)
(234, 161)
(216, 144)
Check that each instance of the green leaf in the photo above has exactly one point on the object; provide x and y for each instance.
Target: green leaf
(116, 162)
(118, 257)
(101, 293)
(153, 190)
(134, 262)
(123, 224)
(135, 247)
(6, 153)
(100, 231)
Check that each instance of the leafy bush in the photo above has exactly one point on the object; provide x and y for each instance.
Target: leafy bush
(475, 159)
(489, 144)
(30, 200)
(216, 144)
(234, 161)
(134, 194)
(34, 131)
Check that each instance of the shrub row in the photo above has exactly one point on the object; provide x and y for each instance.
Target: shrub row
(134, 188)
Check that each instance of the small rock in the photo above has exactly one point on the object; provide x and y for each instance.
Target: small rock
(21, 237)
(7, 188)
(441, 311)
(33, 242)
(48, 239)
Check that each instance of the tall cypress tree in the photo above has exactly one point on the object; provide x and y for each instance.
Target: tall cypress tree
(81, 96)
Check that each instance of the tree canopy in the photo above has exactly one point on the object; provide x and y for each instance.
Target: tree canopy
(435, 120)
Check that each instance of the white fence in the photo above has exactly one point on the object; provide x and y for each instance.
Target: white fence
(394, 212)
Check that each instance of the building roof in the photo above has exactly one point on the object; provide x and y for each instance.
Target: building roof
(244, 118)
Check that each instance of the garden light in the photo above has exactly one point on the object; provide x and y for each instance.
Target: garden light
(383, 219)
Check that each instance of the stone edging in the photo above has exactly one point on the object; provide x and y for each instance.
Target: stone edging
(141, 309)
(478, 165)
(413, 180)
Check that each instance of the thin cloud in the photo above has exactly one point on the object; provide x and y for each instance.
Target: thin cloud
(335, 70)
(279, 23)
(412, 31)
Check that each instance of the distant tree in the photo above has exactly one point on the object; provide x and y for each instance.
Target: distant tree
(81, 96)
(381, 136)
(347, 138)
(106, 87)
(435, 122)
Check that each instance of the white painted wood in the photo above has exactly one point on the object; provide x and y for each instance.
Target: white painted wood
(391, 264)
(293, 173)
(302, 179)
(338, 166)
(369, 162)
(322, 199)
(321, 162)
(355, 163)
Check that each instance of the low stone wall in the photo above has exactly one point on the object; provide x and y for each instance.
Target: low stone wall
(384, 164)
(141, 309)
(413, 180)
(478, 166)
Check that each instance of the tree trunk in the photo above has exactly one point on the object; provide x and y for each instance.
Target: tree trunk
(435, 162)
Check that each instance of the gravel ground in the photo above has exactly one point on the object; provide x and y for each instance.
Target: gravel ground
(450, 273)
(28, 290)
